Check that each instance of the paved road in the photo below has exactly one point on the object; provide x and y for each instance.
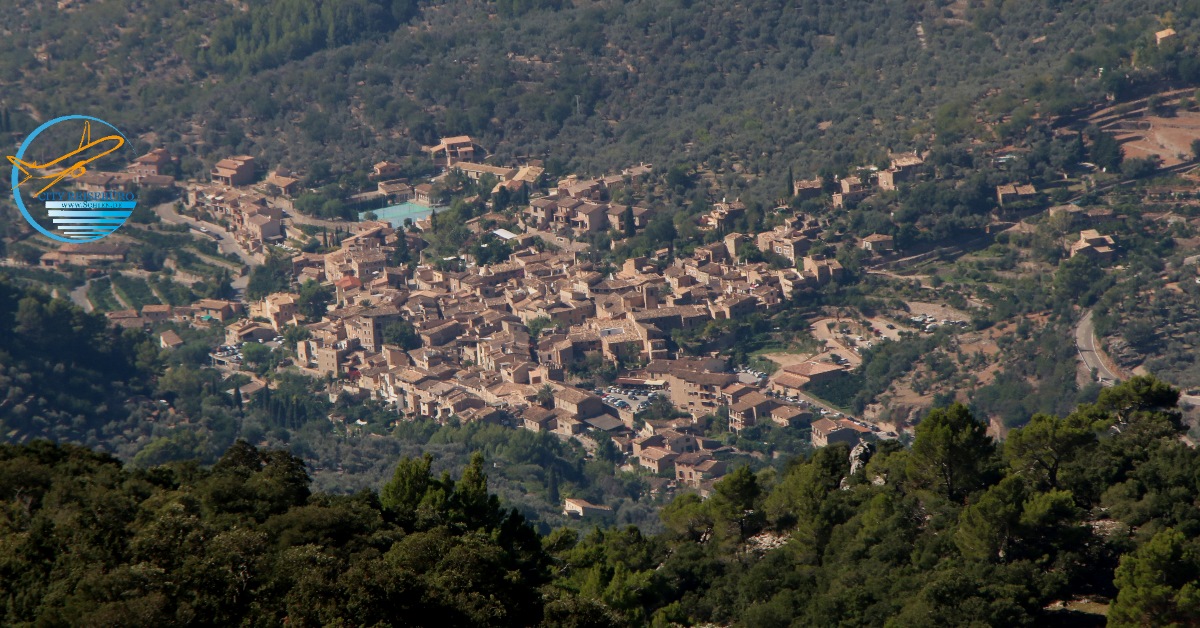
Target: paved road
(1085, 343)
(79, 296)
(227, 244)
(817, 404)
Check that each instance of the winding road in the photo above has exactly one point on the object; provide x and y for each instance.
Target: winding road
(79, 296)
(227, 244)
(1085, 343)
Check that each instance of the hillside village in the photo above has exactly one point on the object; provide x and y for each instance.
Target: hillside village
(541, 333)
(521, 342)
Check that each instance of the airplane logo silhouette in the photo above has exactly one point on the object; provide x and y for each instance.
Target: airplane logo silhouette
(73, 169)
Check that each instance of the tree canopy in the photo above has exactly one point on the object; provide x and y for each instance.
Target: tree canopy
(953, 531)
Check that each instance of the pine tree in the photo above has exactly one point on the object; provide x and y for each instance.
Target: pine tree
(1106, 151)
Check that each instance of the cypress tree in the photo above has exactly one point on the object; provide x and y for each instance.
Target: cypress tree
(552, 489)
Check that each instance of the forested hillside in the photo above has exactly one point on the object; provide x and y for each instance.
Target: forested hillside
(755, 87)
(1069, 514)
(65, 374)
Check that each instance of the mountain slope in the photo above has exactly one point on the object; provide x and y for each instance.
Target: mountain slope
(333, 87)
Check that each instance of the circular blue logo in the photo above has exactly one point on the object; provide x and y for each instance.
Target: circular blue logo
(75, 215)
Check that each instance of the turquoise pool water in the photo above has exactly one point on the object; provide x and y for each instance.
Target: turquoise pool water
(395, 214)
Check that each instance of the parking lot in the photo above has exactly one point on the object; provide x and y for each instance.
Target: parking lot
(232, 354)
(750, 376)
(928, 323)
(632, 398)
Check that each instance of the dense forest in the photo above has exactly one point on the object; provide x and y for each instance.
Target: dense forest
(1095, 510)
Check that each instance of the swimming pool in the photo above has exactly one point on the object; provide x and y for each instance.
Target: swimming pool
(395, 214)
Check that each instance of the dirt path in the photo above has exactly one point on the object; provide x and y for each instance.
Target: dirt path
(787, 359)
(923, 279)
(158, 295)
(112, 288)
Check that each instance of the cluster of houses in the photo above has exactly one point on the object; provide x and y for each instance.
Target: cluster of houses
(252, 210)
(578, 207)
(391, 189)
(851, 189)
(252, 207)
(478, 359)
(155, 169)
(203, 312)
(511, 342)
